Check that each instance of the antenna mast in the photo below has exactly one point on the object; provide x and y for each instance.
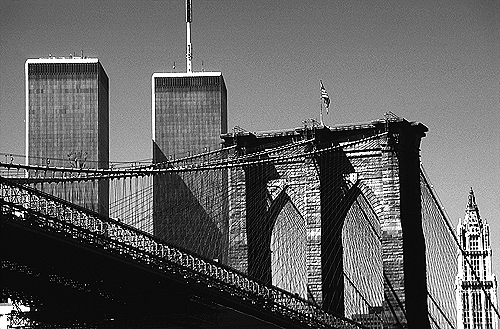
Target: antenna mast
(189, 48)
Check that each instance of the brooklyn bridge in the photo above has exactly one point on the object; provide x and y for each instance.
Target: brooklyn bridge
(312, 227)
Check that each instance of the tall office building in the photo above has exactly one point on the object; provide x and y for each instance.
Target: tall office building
(476, 285)
(67, 106)
(189, 112)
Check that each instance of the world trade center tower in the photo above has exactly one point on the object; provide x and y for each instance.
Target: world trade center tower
(189, 113)
(67, 118)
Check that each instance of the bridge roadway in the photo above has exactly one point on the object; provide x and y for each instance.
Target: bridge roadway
(77, 278)
(81, 284)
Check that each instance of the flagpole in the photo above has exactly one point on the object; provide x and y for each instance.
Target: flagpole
(321, 106)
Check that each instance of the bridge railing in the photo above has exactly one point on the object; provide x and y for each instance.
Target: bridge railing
(28, 205)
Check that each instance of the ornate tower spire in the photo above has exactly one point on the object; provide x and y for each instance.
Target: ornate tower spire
(471, 204)
(472, 219)
(476, 285)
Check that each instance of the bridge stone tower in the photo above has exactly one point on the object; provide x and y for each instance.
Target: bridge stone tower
(347, 171)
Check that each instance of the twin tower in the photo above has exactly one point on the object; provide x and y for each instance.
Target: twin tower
(67, 117)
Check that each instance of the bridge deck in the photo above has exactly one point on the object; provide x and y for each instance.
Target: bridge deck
(81, 283)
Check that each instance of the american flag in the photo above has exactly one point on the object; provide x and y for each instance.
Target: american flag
(324, 96)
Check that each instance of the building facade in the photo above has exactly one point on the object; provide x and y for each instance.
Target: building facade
(189, 114)
(476, 285)
(67, 120)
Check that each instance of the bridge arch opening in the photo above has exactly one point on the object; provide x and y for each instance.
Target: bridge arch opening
(289, 251)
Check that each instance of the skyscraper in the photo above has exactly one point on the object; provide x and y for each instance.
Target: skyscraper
(67, 105)
(476, 285)
(189, 112)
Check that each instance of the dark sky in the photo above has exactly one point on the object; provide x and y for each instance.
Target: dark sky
(432, 61)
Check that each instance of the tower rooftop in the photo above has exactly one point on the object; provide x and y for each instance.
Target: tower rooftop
(339, 132)
(186, 74)
(70, 59)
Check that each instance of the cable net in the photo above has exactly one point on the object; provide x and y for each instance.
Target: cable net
(259, 212)
(301, 217)
(441, 257)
